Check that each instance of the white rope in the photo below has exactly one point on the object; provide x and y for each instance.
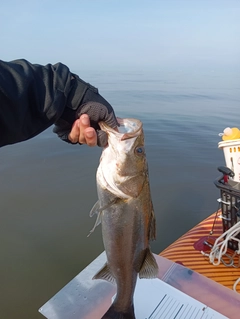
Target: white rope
(220, 246)
(235, 284)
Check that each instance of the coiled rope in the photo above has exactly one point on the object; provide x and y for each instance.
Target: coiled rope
(220, 247)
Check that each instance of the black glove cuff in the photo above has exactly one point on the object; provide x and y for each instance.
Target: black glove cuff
(79, 88)
(74, 100)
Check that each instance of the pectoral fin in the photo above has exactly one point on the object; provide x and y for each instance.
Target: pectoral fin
(97, 222)
(105, 273)
(95, 210)
(98, 210)
(149, 267)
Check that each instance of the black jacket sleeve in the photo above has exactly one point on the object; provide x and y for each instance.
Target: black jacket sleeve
(32, 98)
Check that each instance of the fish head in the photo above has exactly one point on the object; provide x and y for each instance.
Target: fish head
(123, 161)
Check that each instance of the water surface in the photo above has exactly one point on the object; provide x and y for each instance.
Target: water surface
(48, 187)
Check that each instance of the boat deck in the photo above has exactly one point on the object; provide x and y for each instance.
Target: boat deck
(187, 251)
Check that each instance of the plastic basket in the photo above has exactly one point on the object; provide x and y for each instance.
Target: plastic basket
(230, 206)
(231, 150)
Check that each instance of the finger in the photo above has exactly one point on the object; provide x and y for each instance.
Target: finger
(90, 136)
(84, 122)
(74, 133)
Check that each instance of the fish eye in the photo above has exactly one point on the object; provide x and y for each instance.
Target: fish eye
(139, 150)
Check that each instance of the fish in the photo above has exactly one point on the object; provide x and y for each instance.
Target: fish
(125, 210)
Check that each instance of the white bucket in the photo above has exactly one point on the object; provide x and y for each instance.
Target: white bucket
(231, 150)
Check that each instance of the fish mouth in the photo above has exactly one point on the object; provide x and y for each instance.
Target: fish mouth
(128, 128)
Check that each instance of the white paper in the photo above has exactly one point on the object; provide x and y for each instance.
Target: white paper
(155, 299)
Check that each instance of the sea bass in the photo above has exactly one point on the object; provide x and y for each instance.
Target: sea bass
(126, 212)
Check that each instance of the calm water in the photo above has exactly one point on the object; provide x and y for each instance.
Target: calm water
(48, 187)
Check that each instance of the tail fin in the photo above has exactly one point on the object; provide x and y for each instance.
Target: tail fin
(112, 313)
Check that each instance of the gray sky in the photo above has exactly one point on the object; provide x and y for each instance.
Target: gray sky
(111, 34)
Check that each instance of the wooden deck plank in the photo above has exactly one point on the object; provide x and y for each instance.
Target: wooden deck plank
(183, 251)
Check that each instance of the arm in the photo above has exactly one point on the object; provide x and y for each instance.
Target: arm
(33, 97)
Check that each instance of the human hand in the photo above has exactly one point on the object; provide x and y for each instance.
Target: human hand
(85, 100)
(85, 130)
